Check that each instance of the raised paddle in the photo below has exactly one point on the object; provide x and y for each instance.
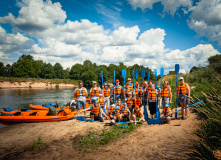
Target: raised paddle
(177, 68)
(124, 74)
(158, 120)
(161, 75)
(114, 86)
(102, 78)
(157, 110)
(136, 76)
(148, 76)
(145, 109)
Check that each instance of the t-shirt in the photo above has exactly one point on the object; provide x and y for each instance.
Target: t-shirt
(80, 97)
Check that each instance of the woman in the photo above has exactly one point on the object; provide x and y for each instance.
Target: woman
(166, 94)
(152, 100)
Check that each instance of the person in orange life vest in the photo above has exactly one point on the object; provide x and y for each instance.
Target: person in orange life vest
(145, 90)
(118, 104)
(184, 96)
(137, 114)
(152, 97)
(118, 89)
(130, 84)
(117, 113)
(125, 113)
(94, 92)
(166, 111)
(136, 94)
(96, 112)
(101, 102)
(81, 94)
(111, 112)
(130, 102)
(166, 94)
(106, 93)
(126, 91)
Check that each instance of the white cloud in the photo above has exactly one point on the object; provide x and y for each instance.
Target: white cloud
(36, 15)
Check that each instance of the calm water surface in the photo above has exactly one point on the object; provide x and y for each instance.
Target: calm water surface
(21, 98)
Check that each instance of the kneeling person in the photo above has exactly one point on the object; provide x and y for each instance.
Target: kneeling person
(117, 114)
(165, 112)
(137, 114)
(125, 113)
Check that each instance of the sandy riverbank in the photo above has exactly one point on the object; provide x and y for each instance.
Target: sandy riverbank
(7, 84)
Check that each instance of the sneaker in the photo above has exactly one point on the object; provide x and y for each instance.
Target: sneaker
(184, 118)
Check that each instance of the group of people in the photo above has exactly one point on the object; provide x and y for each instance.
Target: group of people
(129, 100)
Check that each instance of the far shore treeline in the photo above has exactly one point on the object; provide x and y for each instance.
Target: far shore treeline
(27, 67)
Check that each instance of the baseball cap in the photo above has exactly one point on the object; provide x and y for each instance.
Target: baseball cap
(136, 106)
(136, 83)
(94, 82)
(80, 82)
(125, 104)
(129, 79)
(106, 84)
(117, 80)
(181, 78)
(113, 105)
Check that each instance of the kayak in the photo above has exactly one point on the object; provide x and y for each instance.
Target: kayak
(40, 107)
(6, 111)
(40, 116)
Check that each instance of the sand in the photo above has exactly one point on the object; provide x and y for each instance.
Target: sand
(167, 141)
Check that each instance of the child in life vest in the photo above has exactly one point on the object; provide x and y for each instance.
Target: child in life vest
(166, 112)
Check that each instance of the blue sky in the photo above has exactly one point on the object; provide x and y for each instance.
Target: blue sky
(152, 33)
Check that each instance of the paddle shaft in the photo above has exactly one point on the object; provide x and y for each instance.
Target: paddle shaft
(114, 86)
(176, 99)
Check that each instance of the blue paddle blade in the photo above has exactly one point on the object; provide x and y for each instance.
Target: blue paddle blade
(155, 72)
(148, 76)
(143, 74)
(161, 72)
(124, 73)
(136, 74)
(177, 68)
(154, 121)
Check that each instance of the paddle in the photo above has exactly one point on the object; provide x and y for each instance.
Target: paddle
(114, 86)
(157, 110)
(102, 78)
(158, 120)
(177, 68)
(124, 74)
(145, 109)
(161, 75)
(148, 76)
(134, 85)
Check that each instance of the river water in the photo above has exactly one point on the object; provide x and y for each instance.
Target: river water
(21, 98)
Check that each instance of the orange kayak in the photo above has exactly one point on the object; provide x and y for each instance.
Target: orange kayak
(40, 107)
(20, 112)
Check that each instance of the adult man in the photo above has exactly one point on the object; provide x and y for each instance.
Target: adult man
(184, 96)
(117, 89)
(81, 94)
(94, 92)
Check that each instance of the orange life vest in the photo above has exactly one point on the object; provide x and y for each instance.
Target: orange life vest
(127, 90)
(118, 89)
(136, 91)
(124, 110)
(77, 93)
(137, 113)
(131, 86)
(182, 89)
(106, 92)
(166, 111)
(129, 101)
(153, 95)
(149, 89)
(117, 112)
(95, 110)
(95, 92)
(101, 102)
(141, 92)
(137, 101)
(165, 93)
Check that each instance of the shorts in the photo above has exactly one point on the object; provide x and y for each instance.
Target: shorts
(97, 117)
(152, 108)
(125, 118)
(183, 98)
(165, 101)
(80, 104)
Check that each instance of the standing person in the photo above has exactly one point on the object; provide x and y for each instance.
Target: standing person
(126, 91)
(145, 90)
(152, 98)
(184, 96)
(130, 84)
(118, 89)
(166, 94)
(96, 112)
(130, 102)
(125, 113)
(137, 94)
(81, 93)
(106, 92)
(94, 92)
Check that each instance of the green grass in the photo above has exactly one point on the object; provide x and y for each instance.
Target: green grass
(94, 139)
(38, 144)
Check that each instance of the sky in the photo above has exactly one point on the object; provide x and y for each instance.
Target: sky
(152, 33)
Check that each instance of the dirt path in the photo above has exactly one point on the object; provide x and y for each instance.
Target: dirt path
(168, 141)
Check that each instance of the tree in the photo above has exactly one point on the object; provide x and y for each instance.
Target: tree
(8, 70)
(76, 71)
(58, 69)
(194, 68)
(66, 74)
(88, 77)
(88, 66)
(172, 72)
(48, 71)
(2, 70)
(38, 67)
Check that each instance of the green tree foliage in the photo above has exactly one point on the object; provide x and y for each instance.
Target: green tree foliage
(58, 69)
(66, 74)
(76, 71)
(172, 72)
(48, 71)
(8, 68)
(2, 70)
(194, 68)
(88, 77)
